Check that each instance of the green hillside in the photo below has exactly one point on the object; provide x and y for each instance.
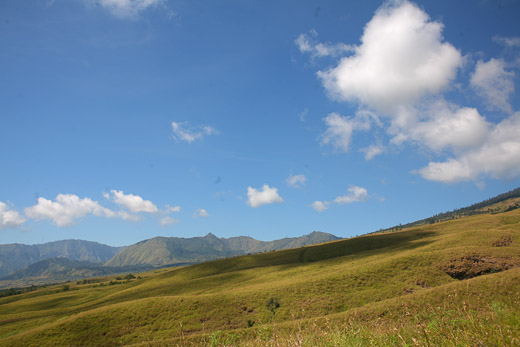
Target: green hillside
(452, 283)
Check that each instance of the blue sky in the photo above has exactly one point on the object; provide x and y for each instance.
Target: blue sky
(122, 120)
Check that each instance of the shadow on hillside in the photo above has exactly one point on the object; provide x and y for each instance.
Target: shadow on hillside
(361, 247)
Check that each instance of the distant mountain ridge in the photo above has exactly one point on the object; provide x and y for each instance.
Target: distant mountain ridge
(71, 259)
(16, 256)
(160, 251)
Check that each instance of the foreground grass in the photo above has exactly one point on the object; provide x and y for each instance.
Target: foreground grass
(383, 289)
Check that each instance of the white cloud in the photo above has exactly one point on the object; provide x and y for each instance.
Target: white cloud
(450, 171)
(493, 83)
(339, 130)
(66, 209)
(508, 41)
(320, 206)
(169, 209)
(9, 218)
(200, 212)
(296, 181)
(401, 58)
(309, 44)
(373, 150)
(449, 127)
(266, 195)
(133, 203)
(399, 71)
(356, 194)
(167, 221)
(128, 216)
(303, 115)
(126, 8)
(498, 156)
(184, 131)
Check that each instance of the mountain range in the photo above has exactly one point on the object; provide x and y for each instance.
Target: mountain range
(16, 256)
(74, 259)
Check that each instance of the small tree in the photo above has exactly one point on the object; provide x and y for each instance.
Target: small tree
(129, 277)
(272, 305)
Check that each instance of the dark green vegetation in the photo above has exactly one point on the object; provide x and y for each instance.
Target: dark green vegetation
(171, 250)
(16, 256)
(452, 283)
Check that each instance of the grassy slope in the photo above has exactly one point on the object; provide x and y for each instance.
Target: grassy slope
(377, 289)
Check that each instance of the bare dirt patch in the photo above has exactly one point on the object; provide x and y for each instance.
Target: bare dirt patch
(503, 241)
(475, 265)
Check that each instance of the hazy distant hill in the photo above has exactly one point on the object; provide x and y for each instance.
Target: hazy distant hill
(55, 270)
(170, 250)
(16, 256)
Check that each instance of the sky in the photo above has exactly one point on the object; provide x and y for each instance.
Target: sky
(122, 120)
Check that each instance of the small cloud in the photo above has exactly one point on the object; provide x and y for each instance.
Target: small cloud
(184, 131)
(493, 83)
(303, 115)
(309, 44)
(9, 218)
(169, 209)
(507, 41)
(266, 195)
(128, 8)
(320, 206)
(372, 151)
(356, 194)
(296, 181)
(133, 203)
(167, 221)
(200, 212)
(339, 129)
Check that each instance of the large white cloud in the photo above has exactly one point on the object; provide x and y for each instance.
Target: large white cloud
(66, 209)
(402, 57)
(494, 83)
(9, 218)
(400, 71)
(184, 131)
(266, 195)
(133, 203)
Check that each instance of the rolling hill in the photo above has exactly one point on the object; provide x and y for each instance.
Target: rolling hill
(449, 283)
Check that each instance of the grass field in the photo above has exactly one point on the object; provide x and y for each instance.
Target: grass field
(455, 283)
